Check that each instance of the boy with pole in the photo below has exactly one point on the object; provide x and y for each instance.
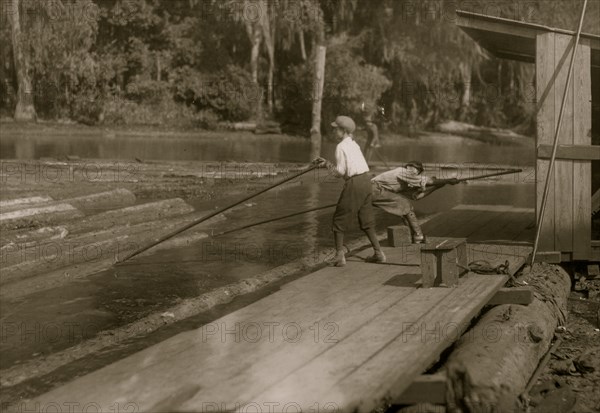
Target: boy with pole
(355, 199)
(393, 190)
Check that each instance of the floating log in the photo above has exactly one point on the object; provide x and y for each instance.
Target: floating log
(58, 211)
(24, 236)
(128, 216)
(24, 261)
(116, 198)
(55, 212)
(492, 362)
(131, 215)
(21, 203)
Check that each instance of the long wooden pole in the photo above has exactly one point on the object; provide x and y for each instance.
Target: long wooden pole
(556, 135)
(474, 178)
(212, 214)
(266, 221)
(417, 195)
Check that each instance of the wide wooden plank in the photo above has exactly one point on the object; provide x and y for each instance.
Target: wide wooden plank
(312, 316)
(274, 368)
(413, 350)
(222, 349)
(314, 382)
(576, 151)
(345, 375)
(563, 169)
(545, 93)
(354, 377)
(582, 170)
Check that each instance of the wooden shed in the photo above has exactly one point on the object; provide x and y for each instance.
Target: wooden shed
(566, 232)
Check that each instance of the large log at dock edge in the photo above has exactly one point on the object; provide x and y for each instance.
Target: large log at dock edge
(493, 361)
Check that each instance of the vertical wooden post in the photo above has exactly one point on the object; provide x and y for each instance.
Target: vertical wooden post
(563, 168)
(545, 93)
(567, 220)
(582, 170)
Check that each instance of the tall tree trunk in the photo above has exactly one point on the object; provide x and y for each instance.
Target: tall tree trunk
(302, 44)
(270, 86)
(255, 36)
(499, 75)
(465, 102)
(319, 82)
(268, 32)
(465, 72)
(158, 67)
(24, 111)
(319, 51)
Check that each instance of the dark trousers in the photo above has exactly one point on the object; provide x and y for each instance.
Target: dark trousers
(391, 202)
(354, 201)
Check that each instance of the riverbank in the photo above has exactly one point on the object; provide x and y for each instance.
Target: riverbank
(9, 127)
(72, 142)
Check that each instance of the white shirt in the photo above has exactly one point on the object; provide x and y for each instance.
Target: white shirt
(349, 159)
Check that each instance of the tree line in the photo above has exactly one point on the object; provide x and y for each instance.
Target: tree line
(199, 63)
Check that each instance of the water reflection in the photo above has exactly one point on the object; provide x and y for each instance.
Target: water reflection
(252, 148)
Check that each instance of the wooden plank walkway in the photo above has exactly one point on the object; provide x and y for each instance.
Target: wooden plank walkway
(338, 339)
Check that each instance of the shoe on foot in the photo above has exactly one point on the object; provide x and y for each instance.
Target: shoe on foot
(413, 223)
(378, 257)
(339, 260)
(419, 239)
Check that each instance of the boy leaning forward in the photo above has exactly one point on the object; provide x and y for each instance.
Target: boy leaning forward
(356, 196)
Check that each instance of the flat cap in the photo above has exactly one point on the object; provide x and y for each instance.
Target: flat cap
(417, 165)
(344, 122)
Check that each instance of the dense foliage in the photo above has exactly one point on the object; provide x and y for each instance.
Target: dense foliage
(199, 62)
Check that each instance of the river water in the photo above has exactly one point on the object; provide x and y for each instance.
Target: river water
(253, 148)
